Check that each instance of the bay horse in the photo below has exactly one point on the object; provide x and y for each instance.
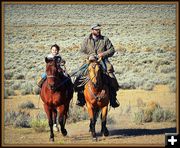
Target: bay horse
(96, 94)
(56, 96)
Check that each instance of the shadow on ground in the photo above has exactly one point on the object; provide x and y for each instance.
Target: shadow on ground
(141, 132)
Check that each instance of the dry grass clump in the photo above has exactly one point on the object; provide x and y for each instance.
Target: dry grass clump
(39, 125)
(19, 76)
(8, 74)
(153, 112)
(27, 88)
(16, 85)
(17, 118)
(76, 114)
(8, 92)
(27, 105)
(40, 122)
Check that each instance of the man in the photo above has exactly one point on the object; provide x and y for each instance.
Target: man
(101, 46)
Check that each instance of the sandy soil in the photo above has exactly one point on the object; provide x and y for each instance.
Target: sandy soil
(122, 132)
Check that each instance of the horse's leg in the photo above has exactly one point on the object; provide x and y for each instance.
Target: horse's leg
(92, 121)
(62, 119)
(50, 120)
(55, 126)
(104, 130)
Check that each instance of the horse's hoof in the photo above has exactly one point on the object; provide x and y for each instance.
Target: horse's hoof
(51, 139)
(64, 132)
(94, 139)
(106, 133)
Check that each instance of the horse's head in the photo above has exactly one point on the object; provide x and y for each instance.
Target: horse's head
(94, 71)
(52, 72)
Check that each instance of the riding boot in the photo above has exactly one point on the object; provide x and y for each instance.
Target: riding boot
(113, 100)
(40, 83)
(80, 99)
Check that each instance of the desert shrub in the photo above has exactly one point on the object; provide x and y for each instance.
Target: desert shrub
(19, 70)
(36, 90)
(110, 120)
(171, 76)
(153, 112)
(16, 85)
(144, 114)
(162, 79)
(8, 92)
(17, 119)
(161, 114)
(19, 76)
(126, 85)
(8, 75)
(127, 81)
(23, 120)
(139, 82)
(31, 75)
(27, 88)
(148, 85)
(77, 114)
(169, 115)
(120, 70)
(28, 105)
(159, 50)
(158, 114)
(172, 86)
(167, 68)
(138, 116)
(41, 115)
(7, 66)
(10, 117)
(39, 125)
(40, 122)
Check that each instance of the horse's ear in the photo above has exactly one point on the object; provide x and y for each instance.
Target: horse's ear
(46, 60)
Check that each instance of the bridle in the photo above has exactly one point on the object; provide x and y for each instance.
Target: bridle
(95, 75)
(51, 76)
(57, 78)
(96, 96)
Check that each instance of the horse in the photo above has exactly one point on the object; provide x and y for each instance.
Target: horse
(96, 94)
(56, 96)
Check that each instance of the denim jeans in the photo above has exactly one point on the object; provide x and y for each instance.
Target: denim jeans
(44, 75)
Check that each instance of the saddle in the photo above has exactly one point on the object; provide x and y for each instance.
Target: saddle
(82, 79)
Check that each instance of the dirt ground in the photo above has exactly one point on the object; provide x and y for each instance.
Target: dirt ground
(123, 132)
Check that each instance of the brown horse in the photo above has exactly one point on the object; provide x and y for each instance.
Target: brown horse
(97, 97)
(56, 96)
